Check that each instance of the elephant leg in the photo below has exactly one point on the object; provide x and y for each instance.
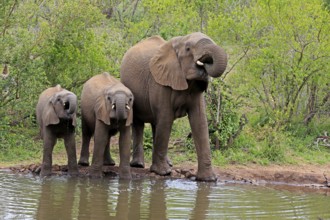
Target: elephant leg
(200, 134)
(84, 153)
(138, 151)
(160, 164)
(70, 146)
(49, 143)
(107, 160)
(153, 139)
(101, 138)
(124, 152)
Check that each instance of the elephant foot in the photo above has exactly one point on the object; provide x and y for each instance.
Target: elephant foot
(125, 173)
(137, 163)
(95, 172)
(109, 162)
(45, 172)
(84, 163)
(95, 175)
(206, 176)
(73, 171)
(161, 169)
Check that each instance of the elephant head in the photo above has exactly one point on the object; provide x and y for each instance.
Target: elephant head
(115, 104)
(191, 57)
(61, 106)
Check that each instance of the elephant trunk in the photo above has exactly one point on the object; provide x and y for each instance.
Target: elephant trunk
(212, 57)
(71, 104)
(121, 107)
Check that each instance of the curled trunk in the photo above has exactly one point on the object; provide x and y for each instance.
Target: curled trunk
(213, 57)
(72, 100)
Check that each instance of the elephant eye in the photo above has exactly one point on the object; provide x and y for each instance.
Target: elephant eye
(108, 97)
(58, 99)
(187, 49)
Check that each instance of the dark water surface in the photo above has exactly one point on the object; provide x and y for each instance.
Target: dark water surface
(29, 197)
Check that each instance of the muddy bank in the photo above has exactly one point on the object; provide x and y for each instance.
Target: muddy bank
(306, 176)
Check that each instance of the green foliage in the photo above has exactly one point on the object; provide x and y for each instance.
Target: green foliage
(18, 144)
(283, 53)
(277, 74)
(224, 121)
(74, 52)
(147, 138)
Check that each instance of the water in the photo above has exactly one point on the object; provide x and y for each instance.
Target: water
(29, 197)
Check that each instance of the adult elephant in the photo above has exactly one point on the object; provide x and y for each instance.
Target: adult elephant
(106, 108)
(56, 116)
(167, 79)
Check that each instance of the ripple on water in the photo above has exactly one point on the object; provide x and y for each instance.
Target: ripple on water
(28, 197)
(19, 196)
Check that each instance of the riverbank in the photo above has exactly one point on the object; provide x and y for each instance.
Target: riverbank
(309, 176)
(299, 175)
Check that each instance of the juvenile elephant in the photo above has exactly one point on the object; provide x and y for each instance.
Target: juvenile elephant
(167, 79)
(56, 116)
(106, 108)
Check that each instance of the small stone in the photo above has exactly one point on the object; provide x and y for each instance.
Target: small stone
(37, 170)
(188, 175)
(32, 167)
(56, 167)
(184, 171)
(193, 178)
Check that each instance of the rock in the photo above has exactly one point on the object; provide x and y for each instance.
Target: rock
(184, 171)
(193, 178)
(56, 167)
(188, 175)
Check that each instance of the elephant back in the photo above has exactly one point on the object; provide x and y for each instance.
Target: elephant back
(136, 59)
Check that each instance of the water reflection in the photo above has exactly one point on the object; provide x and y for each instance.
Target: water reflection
(202, 202)
(29, 197)
(57, 199)
(93, 199)
(70, 198)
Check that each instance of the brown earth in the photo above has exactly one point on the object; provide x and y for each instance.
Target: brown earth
(303, 176)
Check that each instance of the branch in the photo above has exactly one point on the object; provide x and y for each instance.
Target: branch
(134, 9)
(245, 51)
(6, 25)
(305, 80)
(261, 99)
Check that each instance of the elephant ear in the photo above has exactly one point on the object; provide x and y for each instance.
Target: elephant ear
(101, 111)
(49, 116)
(166, 69)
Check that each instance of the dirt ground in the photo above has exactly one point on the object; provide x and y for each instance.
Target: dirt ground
(305, 176)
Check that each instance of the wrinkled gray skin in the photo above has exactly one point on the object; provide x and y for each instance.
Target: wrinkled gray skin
(56, 116)
(106, 108)
(167, 79)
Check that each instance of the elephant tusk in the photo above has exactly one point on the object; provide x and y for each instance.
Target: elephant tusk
(113, 106)
(199, 63)
(127, 107)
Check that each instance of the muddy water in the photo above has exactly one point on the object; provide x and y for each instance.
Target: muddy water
(29, 197)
